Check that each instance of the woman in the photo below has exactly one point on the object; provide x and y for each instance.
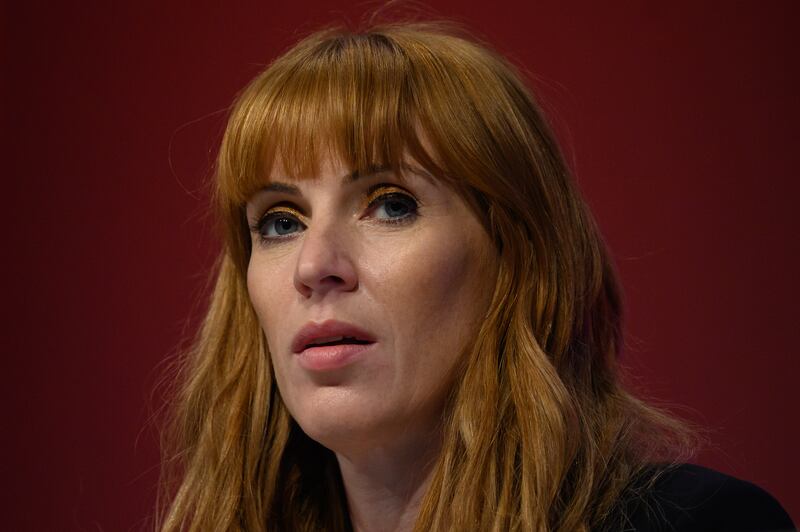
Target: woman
(415, 323)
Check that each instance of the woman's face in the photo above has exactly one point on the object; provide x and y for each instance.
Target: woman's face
(405, 261)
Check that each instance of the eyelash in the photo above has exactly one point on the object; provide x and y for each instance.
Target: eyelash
(270, 217)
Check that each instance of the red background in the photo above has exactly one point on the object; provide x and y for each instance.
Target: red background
(679, 118)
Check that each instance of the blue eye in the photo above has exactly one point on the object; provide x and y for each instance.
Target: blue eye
(277, 225)
(398, 207)
(282, 223)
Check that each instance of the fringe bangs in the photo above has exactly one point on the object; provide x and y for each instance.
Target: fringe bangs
(337, 95)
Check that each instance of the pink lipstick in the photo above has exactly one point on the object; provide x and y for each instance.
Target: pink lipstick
(330, 344)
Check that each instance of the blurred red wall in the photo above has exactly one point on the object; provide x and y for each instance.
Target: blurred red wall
(680, 119)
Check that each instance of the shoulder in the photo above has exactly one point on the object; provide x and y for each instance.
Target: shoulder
(688, 498)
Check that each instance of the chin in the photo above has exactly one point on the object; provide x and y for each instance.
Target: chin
(341, 421)
(342, 434)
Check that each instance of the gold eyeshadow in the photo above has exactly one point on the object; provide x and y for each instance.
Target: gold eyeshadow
(375, 192)
(282, 209)
(382, 190)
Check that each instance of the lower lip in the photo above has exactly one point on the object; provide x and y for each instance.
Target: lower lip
(331, 357)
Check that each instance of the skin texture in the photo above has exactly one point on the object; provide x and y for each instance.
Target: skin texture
(420, 287)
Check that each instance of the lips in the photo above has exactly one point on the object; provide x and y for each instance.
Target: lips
(329, 332)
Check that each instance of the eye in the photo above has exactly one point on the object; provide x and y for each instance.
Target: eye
(277, 225)
(396, 207)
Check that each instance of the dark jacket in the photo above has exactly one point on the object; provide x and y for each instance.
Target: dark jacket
(690, 498)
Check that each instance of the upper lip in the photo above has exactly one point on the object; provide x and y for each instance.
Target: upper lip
(313, 330)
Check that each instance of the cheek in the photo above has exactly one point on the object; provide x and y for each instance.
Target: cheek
(267, 296)
(434, 290)
(270, 300)
(428, 263)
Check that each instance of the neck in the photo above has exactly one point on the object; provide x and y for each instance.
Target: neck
(385, 486)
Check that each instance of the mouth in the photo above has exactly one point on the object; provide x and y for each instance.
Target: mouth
(330, 333)
(340, 340)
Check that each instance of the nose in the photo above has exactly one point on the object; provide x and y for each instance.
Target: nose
(325, 261)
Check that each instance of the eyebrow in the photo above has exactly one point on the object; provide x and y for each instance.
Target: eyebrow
(352, 177)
